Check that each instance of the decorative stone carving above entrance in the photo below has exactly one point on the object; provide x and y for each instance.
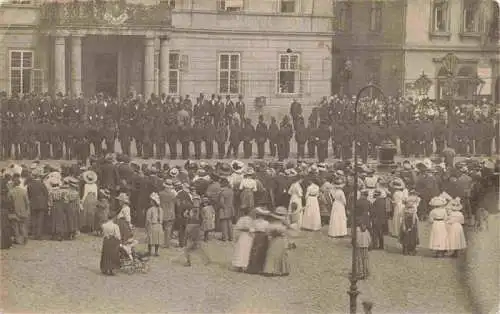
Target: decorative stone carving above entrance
(86, 14)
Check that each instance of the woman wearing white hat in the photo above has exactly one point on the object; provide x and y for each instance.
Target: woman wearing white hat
(154, 220)
(338, 219)
(248, 187)
(311, 219)
(438, 240)
(89, 202)
(454, 221)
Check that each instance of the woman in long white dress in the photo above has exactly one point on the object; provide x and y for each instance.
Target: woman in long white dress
(243, 246)
(438, 239)
(398, 198)
(338, 218)
(311, 219)
(296, 193)
(454, 221)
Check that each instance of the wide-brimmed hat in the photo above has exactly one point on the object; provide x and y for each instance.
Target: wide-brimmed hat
(456, 205)
(54, 181)
(249, 171)
(377, 193)
(237, 166)
(397, 184)
(173, 172)
(155, 197)
(371, 182)
(280, 213)
(89, 177)
(124, 198)
(339, 183)
(186, 186)
(447, 197)
(105, 193)
(168, 183)
(262, 211)
(71, 181)
(437, 201)
(291, 172)
(202, 173)
(224, 170)
(38, 172)
(407, 165)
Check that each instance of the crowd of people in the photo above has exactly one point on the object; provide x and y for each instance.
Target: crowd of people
(267, 204)
(66, 128)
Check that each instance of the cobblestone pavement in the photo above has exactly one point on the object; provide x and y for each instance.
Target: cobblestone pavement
(64, 277)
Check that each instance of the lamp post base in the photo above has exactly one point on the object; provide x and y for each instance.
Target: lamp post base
(353, 295)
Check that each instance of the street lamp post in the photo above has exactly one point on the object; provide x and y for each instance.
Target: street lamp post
(353, 289)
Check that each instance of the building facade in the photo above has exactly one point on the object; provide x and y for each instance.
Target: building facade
(392, 42)
(272, 51)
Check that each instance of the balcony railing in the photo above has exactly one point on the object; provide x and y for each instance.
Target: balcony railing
(105, 13)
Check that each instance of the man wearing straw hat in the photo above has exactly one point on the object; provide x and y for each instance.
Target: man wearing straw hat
(167, 203)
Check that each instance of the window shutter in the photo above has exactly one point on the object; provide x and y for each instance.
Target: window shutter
(184, 63)
(277, 86)
(37, 80)
(305, 82)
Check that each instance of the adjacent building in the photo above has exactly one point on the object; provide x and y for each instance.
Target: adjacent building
(394, 42)
(270, 51)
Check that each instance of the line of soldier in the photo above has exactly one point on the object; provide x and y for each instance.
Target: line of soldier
(65, 128)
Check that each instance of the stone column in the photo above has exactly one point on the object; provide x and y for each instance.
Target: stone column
(149, 67)
(76, 65)
(164, 66)
(59, 64)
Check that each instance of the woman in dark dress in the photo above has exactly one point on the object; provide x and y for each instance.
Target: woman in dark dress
(260, 242)
(110, 255)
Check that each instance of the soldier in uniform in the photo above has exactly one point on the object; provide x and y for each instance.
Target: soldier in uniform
(43, 136)
(347, 139)
(57, 139)
(247, 134)
(229, 109)
(160, 134)
(240, 107)
(273, 137)
(311, 139)
(301, 137)
(439, 133)
(295, 111)
(148, 130)
(185, 138)
(234, 139)
(461, 137)
(221, 136)
(172, 137)
(284, 136)
(197, 137)
(209, 133)
(323, 135)
(261, 137)
(218, 110)
(125, 133)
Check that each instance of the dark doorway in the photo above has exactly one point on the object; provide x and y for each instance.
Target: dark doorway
(106, 69)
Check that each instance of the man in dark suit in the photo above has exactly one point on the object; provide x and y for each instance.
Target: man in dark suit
(183, 203)
(378, 218)
(261, 137)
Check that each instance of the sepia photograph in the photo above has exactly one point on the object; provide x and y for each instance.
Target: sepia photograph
(250, 156)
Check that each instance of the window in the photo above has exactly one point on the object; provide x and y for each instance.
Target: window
(376, 17)
(20, 2)
(174, 73)
(289, 73)
(229, 73)
(466, 82)
(373, 70)
(287, 6)
(470, 16)
(494, 22)
(440, 16)
(230, 5)
(21, 66)
(344, 17)
(171, 4)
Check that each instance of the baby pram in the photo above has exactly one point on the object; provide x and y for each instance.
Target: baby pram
(132, 262)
